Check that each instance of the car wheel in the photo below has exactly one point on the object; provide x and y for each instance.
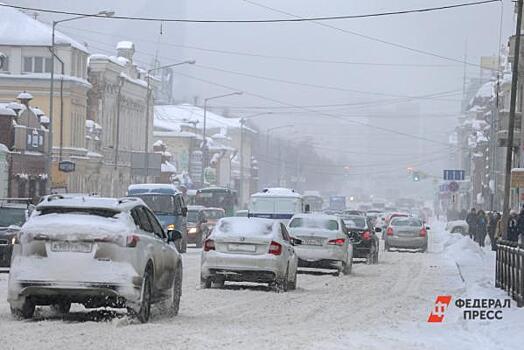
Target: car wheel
(219, 282)
(205, 283)
(347, 267)
(281, 284)
(61, 308)
(27, 311)
(177, 292)
(293, 284)
(144, 312)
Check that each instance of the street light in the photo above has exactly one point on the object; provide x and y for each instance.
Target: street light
(148, 97)
(52, 92)
(204, 129)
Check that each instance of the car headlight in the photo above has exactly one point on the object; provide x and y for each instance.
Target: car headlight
(14, 240)
(193, 230)
(171, 227)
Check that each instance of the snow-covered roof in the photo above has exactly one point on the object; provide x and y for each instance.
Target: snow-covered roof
(171, 117)
(277, 192)
(44, 119)
(167, 167)
(92, 124)
(3, 148)
(37, 111)
(24, 96)
(125, 45)
(19, 29)
(7, 112)
(47, 76)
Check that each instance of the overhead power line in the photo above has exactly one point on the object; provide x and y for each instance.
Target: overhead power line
(368, 37)
(271, 20)
(277, 57)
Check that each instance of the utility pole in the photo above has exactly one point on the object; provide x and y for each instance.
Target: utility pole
(241, 190)
(511, 122)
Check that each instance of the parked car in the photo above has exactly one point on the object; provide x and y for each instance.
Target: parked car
(13, 214)
(457, 226)
(97, 252)
(197, 228)
(365, 241)
(325, 242)
(168, 205)
(249, 250)
(408, 233)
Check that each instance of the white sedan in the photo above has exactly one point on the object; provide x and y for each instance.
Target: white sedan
(249, 250)
(325, 243)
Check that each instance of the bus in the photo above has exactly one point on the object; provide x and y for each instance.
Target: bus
(276, 203)
(337, 203)
(217, 197)
(314, 200)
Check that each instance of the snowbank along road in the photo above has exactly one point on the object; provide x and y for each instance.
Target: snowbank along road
(384, 306)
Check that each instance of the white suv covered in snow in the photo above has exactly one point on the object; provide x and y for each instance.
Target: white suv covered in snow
(96, 252)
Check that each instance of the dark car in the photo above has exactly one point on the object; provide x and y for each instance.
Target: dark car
(365, 241)
(13, 214)
(197, 229)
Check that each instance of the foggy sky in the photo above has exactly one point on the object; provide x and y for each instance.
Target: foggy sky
(445, 33)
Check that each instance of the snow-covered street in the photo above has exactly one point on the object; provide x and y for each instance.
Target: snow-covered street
(381, 306)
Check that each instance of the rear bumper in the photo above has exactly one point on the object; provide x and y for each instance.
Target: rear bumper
(407, 242)
(315, 254)
(361, 249)
(320, 264)
(240, 267)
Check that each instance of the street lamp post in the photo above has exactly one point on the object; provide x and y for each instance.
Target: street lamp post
(52, 83)
(148, 97)
(204, 130)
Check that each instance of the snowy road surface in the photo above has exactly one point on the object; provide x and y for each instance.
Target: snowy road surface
(383, 306)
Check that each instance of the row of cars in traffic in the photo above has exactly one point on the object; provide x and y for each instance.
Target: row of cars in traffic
(126, 253)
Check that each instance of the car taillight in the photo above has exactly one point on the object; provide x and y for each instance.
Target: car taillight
(366, 236)
(275, 248)
(423, 232)
(132, 241)
(338, 241)
(389, 231)
(209, 244)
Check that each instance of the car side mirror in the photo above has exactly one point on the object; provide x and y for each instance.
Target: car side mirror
(378, 229)
(295, 241)
(184, 211)
(173, 236)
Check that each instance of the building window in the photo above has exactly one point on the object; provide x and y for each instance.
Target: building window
(37, 65)
(4, 64)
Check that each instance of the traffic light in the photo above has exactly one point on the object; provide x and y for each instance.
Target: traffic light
(416, 176)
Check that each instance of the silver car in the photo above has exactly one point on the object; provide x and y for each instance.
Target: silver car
(407, 233)
(249, 250)
(96, 252)
(325, 242)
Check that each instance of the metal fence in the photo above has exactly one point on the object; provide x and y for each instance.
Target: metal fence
(509, 273)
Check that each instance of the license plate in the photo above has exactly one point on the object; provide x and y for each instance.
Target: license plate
(77, 247)
(242, 247)
(316, 242)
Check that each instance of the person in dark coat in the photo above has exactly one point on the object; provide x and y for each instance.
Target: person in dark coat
(493, 221)
(482, 227)
(471, 219)
(520, 224)
(513, 228)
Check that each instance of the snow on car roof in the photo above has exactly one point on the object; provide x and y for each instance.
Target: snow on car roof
(153, 188)
(244, 226)
(89, 202)
(277, 192)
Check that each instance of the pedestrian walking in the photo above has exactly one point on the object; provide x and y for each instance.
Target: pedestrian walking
(513, 230)
(471, 219)
(482, 227)
(493, 225)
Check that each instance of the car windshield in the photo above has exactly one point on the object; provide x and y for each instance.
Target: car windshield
(312, 222)
(355, 222)
(213, 214)
(12, 216)
(192, 216)
(406, 222)
(159, 204)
